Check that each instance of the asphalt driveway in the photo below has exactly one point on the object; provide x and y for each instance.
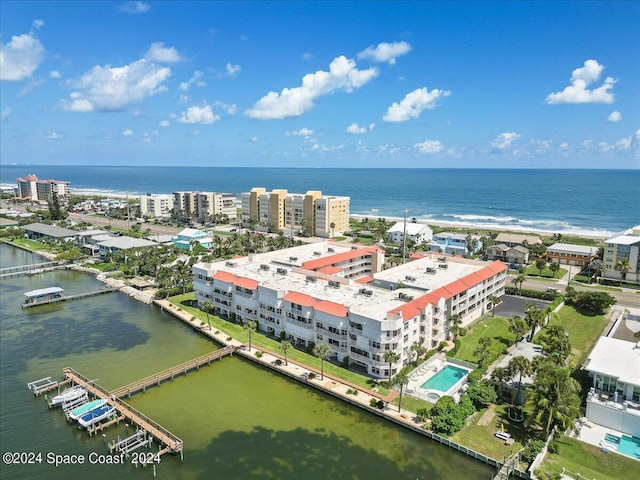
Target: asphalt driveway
(514, 305)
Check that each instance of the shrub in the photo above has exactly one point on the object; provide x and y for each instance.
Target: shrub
(278, 362)
(311, 376)
(259, 354)
(442, 345)
(531, 450)
(447, 417)
(482, 394)
(380, 404)
(373, 402)
(229, 339)
(475, 376)
(423, 413)
(345, 362)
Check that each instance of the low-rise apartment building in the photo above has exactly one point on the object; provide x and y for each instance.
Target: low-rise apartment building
(569, 254)
(35, 190)
(622, 255)
(515, 239)
(324, 215)
(338, 295)
(416, 232)
(453, 243)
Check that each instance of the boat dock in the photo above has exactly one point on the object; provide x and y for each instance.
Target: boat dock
(33, 301)
(45, 385)
(29, 269)
(170, 373)
(170, 442)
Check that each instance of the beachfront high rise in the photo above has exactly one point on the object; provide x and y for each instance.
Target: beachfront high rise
(323, 215)
(204, 206)
(31, 188)
(339, 295)
(622, 255)
(156, 205)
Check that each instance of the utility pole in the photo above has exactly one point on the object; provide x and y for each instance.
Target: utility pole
(404, 238)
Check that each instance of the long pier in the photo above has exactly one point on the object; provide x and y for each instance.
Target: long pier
(171, 443)
(65, 298)
(170, 373)
(27, 269)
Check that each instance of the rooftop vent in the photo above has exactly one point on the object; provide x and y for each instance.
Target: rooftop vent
(264, 267)
(281, 271)
(311, 278)
(334, 284)
(231, 264)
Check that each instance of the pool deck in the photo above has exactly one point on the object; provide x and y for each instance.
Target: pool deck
(424, 372)
(594, 434)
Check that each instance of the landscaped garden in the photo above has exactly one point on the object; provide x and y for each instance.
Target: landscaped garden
(495, 328)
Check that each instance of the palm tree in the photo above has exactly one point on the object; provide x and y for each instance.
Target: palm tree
(332, 226)
(518, 327)
(401, 380)
(499, 376)
(519, 280)
(554, 267)
(322, 350)
(419, 349)
(534, 318)
(482, 351)
(554, 398)
(623, 267)
(494, 301)
(250, 326)
(207, 306)
(471, 244)
(453, 325)
(519, 366)
(540, 264)
(390, 357)
(285, 345)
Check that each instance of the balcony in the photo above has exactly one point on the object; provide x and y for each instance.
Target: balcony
(296, 323)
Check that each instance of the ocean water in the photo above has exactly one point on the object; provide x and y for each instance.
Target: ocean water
(596, 202)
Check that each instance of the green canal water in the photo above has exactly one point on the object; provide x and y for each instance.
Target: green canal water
(237, 420)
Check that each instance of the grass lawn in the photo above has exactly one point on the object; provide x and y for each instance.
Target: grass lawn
(587, 460)
(265, 343)
(583, 331)
(31, 244)
(496, 328)
(478, 433)
(532, 271)
(411, 403)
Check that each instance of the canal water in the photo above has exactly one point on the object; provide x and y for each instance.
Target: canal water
(237, 420)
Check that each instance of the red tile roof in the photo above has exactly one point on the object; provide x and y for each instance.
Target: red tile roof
(332, 308)
(224, 276)
(337, 258)
(331, 270)
(364, 280)
(247, 283)
(300, 299)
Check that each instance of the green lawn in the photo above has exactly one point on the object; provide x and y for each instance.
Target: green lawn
(583, 331)
(532, 271)
(478, 433)
(31, 244)
(587, 460)
(496, 328)
(412, 404)
(268, 344)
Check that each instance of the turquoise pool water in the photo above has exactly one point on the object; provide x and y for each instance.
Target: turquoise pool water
(445, 378)
(629, 446)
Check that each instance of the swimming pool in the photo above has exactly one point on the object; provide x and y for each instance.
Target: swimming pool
(445, 378)
(629, 446)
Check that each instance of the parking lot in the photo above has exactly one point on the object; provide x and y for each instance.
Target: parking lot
(514, 305)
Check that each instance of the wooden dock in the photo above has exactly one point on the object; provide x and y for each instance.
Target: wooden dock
(65, 298)
(31, 268)
(170, 373)
(171, 443)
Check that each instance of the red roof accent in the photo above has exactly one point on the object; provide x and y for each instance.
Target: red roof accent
(330, 270)
(408, 310)
(224, 276)
(417, 256)
(247, 283)
(454, 288)
(300, 299)
(335, 309)
(364, 280)
(332, 260)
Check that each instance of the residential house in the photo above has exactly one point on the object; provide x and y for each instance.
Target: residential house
(189, 237)
(514, 239)
(115, 244)
(568, 254)
(517, 254)
(39, 231)
(416, 232)
(453, 243)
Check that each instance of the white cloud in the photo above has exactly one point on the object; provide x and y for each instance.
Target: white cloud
(127, 133)
(503, 140)
(254, 139)
(413, 104)
(194, 80)
(230, 109)
(20, 57)
(114, 88)
(578, 92)
(307, 56)
(385, 52)
(54, 136)
(614, 117)
(161, 54)
(430, 147)
(6, 113)
(293, 102)
(355, 129)
(134, 7)
(54, 74)
(303, 132)
(37, 23)
(195, 114)
(164, 123)
(233, 70)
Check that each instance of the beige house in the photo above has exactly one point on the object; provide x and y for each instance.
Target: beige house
(517, 254)
(514, 239)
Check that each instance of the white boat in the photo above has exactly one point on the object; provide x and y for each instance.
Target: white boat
(94, 416)
(78, 412)
(68, 395)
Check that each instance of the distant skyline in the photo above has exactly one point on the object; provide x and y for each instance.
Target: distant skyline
(321, 84)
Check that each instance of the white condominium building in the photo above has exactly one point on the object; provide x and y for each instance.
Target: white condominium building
(338, 295)
(31, 188)
(323, 215)
(158, 205)
(205, 206)
(622, 255)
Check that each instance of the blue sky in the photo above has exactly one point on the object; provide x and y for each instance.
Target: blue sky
(321, 84)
